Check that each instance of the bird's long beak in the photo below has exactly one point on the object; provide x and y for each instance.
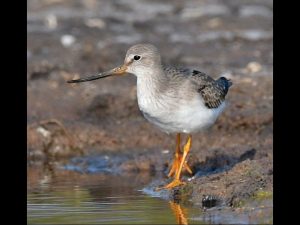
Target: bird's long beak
(116, 71)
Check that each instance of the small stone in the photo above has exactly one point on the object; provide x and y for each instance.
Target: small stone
(67, 40)
(166, 151)
(43, 131)
(57, 149)
(253, 67)
(51, 21)
(76, 76)
(97, 23)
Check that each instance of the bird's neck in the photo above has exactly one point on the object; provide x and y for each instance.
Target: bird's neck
(149, 87)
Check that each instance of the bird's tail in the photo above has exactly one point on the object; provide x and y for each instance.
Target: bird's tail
(226, 83)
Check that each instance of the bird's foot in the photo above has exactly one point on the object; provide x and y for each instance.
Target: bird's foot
(176, 164)
(174, 183)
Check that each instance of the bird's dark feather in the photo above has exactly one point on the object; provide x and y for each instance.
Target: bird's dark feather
(212, 91)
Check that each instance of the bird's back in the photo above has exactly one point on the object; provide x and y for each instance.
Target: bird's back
(212, 91)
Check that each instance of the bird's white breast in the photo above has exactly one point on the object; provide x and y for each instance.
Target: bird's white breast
(176, 115)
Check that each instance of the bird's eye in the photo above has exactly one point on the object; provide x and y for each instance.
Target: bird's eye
(137, 57)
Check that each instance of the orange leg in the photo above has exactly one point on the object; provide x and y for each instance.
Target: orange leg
(177, 160)
(176, 182)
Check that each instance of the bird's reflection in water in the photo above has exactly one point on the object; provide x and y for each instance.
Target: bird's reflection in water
(179, 212)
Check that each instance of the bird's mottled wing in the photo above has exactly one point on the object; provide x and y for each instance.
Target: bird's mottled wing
(212, 95)
(212, 91)
(184, 73)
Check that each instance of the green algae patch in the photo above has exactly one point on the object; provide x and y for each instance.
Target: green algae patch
(262, 195)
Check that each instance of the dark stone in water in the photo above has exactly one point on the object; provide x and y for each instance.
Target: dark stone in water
(209, 201)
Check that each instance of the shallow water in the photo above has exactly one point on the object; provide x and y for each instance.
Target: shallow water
(69, 197)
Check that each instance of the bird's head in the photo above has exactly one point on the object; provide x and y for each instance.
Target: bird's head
(139, 59)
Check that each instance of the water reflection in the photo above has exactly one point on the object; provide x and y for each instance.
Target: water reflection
(180, 213)
(67, 197)
(58, 197)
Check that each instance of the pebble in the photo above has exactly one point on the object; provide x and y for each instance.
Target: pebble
(166, 151)
(253, 67)
(43, 131)
(51, 21)
(67, 40)
(94, 22)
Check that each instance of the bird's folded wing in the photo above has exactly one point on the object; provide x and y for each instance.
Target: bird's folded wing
(212, 91)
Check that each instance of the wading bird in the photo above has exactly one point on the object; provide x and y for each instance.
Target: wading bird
(176, 100)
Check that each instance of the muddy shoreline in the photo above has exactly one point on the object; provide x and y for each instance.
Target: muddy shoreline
(98, 128)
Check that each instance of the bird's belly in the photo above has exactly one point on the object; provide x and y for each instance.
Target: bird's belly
(186, 118)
